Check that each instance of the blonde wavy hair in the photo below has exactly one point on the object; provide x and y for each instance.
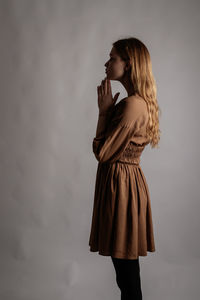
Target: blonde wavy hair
(133, 50)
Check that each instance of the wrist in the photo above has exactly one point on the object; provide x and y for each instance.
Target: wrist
(105, 112)
(102, 114)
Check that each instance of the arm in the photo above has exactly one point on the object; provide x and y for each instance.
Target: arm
(103, 120)
(109, 147)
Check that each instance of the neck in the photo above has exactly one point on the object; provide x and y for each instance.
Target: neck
(128, 85)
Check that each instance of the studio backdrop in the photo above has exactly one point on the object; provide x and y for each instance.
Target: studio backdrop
(52, 57)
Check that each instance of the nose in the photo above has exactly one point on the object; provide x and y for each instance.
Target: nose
(106, 64)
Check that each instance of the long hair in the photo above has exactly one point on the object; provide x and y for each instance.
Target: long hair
(133, 50)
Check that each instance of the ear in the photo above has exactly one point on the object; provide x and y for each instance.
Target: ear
(128, 66)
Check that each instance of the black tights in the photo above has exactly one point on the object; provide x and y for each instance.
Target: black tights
(128, 278)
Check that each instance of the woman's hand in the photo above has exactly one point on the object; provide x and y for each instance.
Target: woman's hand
(105, 99)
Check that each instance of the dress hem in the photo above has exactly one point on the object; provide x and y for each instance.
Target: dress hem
(119, 254)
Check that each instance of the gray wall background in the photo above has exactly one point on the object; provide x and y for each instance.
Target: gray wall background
(52, 57)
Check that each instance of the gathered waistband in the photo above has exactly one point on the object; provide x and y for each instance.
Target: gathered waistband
(134, 163)
(129, 162)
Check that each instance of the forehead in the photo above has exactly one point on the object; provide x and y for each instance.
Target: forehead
(113, 52)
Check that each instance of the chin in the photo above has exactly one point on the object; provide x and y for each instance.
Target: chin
(109, 77)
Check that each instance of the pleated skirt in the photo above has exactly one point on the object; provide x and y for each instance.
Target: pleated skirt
(122, 224)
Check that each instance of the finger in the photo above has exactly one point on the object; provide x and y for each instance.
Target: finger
(102, 87)
(100, 91)
(105, 86)
(109, 86)
(116, 97)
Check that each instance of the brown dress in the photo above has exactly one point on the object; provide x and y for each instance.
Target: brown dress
(122, 219)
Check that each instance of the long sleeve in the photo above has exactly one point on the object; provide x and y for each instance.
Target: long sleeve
(103, 122)
(129, 118)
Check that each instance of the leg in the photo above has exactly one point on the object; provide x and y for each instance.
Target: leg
(128, 278)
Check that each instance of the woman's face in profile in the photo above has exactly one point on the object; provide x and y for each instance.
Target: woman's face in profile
(114, 66)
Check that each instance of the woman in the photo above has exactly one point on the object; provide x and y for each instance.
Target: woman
(122, 224)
